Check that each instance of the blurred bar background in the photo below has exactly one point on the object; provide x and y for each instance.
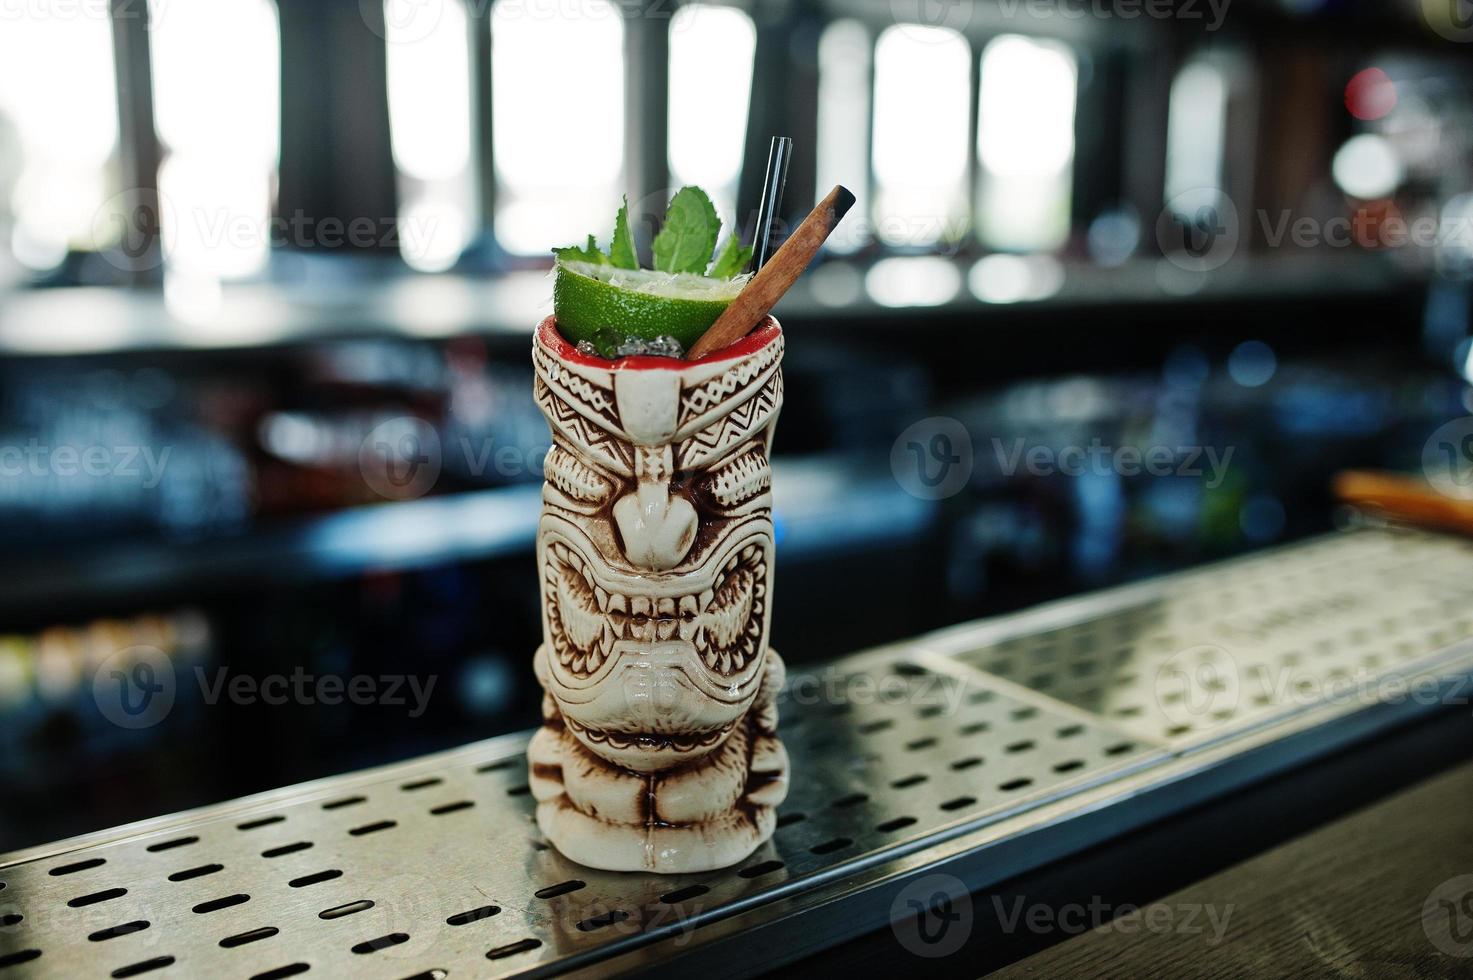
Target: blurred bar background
(269, 272)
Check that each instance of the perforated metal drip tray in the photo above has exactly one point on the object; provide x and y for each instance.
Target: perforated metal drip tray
(936, 754)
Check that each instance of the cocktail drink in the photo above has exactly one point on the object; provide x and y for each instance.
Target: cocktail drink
(658, 749)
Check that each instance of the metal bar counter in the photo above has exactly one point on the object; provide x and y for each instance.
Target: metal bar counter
(980, 752)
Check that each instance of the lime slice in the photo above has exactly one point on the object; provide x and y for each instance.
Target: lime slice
(606, 305)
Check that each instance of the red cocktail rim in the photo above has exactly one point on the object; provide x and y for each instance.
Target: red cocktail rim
(549, 337)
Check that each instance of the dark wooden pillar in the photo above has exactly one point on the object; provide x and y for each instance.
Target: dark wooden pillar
(139, 251)
(336, 157)
(784, 102)
(646, 115)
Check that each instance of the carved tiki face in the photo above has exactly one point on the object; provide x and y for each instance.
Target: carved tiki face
(655, 544)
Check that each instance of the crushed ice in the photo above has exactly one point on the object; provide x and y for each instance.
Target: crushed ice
(661, 346)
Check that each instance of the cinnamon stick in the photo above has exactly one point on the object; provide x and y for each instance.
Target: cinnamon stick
(1404, 499)
(776, 276)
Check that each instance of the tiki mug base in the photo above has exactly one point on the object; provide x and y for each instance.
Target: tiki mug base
(706, 814)
(658, 749)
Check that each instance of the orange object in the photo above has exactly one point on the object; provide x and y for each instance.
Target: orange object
(1405, 499)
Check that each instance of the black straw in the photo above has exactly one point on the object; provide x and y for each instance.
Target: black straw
(772, 198)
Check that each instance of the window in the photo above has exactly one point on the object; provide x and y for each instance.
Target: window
(1025, 143)
(711, 52)
(920, 134)
(430, 126)
(58, 132)
(1195, 133)
(216, 83)
(558, 135)
(843, 124)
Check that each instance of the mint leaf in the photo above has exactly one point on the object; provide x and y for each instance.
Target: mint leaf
(621, 249)
(732, 260)
(589, 253)
(688, 235)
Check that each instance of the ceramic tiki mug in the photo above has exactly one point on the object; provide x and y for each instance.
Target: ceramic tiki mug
(658, 748)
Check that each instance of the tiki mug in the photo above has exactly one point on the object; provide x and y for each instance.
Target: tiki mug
(658, 749)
